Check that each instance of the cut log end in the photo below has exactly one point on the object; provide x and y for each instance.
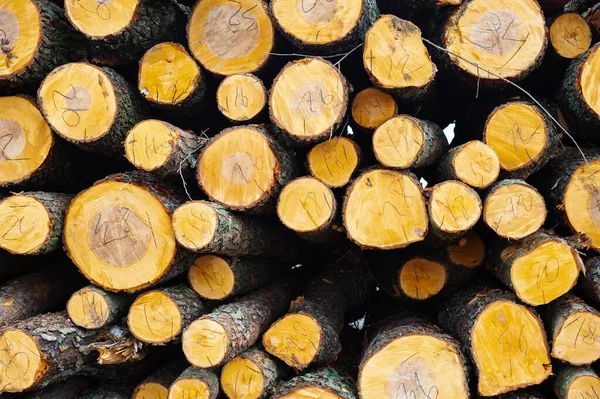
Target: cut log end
(98, 20)
(87, 308)
(295, 339)
(476, 164)
(334, 161)
(154, 318)
(24, 363)
(241, 97)
(371, 107)
(514, 210)
(27, 138)
(195, 224)
(79, 102)
(583, 386)
(205, 343)
(168, 75)
(509, 336)
(150, 144)
(211, 277)
(119, 235)
(306, 205)
(34, 224)
(22, 32)
(454, 207)
(311, 392)
(242, 378)
(570, 35)
(576, 342)
(147, 390)
(185, 388)
(398, 142)
(468, 251)
(228, 39)
(382, 197)
(421, 278)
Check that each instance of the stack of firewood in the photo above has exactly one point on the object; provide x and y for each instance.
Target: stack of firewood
(332, 199)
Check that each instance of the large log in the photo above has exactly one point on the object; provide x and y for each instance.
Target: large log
(324, 383)
(474, 163)
(195, 383)
(576, 382)
(92, 307)
(371, 107)
(334, 161)
(241, 98)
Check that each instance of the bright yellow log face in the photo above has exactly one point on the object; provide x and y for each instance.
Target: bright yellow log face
(211, 277)
(24, 224)
(195, 224)
(154, 318)
(241, 97)
(398, 142)
(504, 37)
(168, 74)
(308, 98)
(371, 107)
(509, 348)
(334, 161)
(295, 339)
(242, 379)
(421, 278)
(518, 134)
(570, 35)
(238, 167)
(78, 100)
(205, 343)
(311, 392)
(25, 139)
(395, 56)
(149, 145)
(385, 209)
(306, 205)
(317, 21)
(88, 309)
(476, 164)
(586, 386)
(514, 211)
(578, 340)
(119, 236)
(21, 361)
(589, 79)
(454, 207)
(150, 390)
(189, 388)
(229, 38)
(21, 34)
(468, 251)
(545, 273)
(100, 18)
(582, 202)
(414, 366)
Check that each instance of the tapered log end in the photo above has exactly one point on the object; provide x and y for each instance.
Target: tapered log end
(33, 228)
(22, 32)
(230, 38)
(79, 102)
(211, 277)
(147, 390)
(468, 251)
(87, 308)
(334, 161)
(398, 142)
(371, 107)
(205, 343)
(242, 378)
(120, 236)
(150, 144)
(295, 339)
(387, 198)
(570, 35)
(27, 138)
(421, 278)
(454, 207)
(100, 20)
(195, 224)
(573, 347)
(241, 97)
(185, 388)
(23, 363)
(476, 164)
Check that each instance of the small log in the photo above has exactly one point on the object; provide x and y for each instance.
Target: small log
(195, 383)
(522, 136)
(241, 98)
(505, 340)
(371, 107)
(408, 356)
(207, 227)
(576, 382)
(396, 59)
(243, 168)
(216, 338)
(157, 384)
(381, 197)
(309, 334)
(467, 251)
(405, 142)
(228, 38)
(92, 308)
(91, 107)
(162, 149)
(32, 222)
(334, 161)
(118, 233)
(322, 383)
(474, 163)
(160, 316)
(170, 79)
(218, 278)
(539, 268)
(308, 100)
(514, 209)
(252, 375)
(570, 35)
(573, 328)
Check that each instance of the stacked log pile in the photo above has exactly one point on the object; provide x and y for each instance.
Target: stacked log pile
(293, 199)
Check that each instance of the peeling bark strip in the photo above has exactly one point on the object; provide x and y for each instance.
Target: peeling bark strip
(326, 383)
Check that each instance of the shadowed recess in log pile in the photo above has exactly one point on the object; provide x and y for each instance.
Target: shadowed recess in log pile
(371, 107)
(30, 227)
(570, 35)
(334, 161)
(101, 19)
(506, 37)
(385, 209)
(454, 208)
(241, 97)
(468, 251)
(229, 38)
(25, 138)
(21, 33)
(474, 163)
(308, 100)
